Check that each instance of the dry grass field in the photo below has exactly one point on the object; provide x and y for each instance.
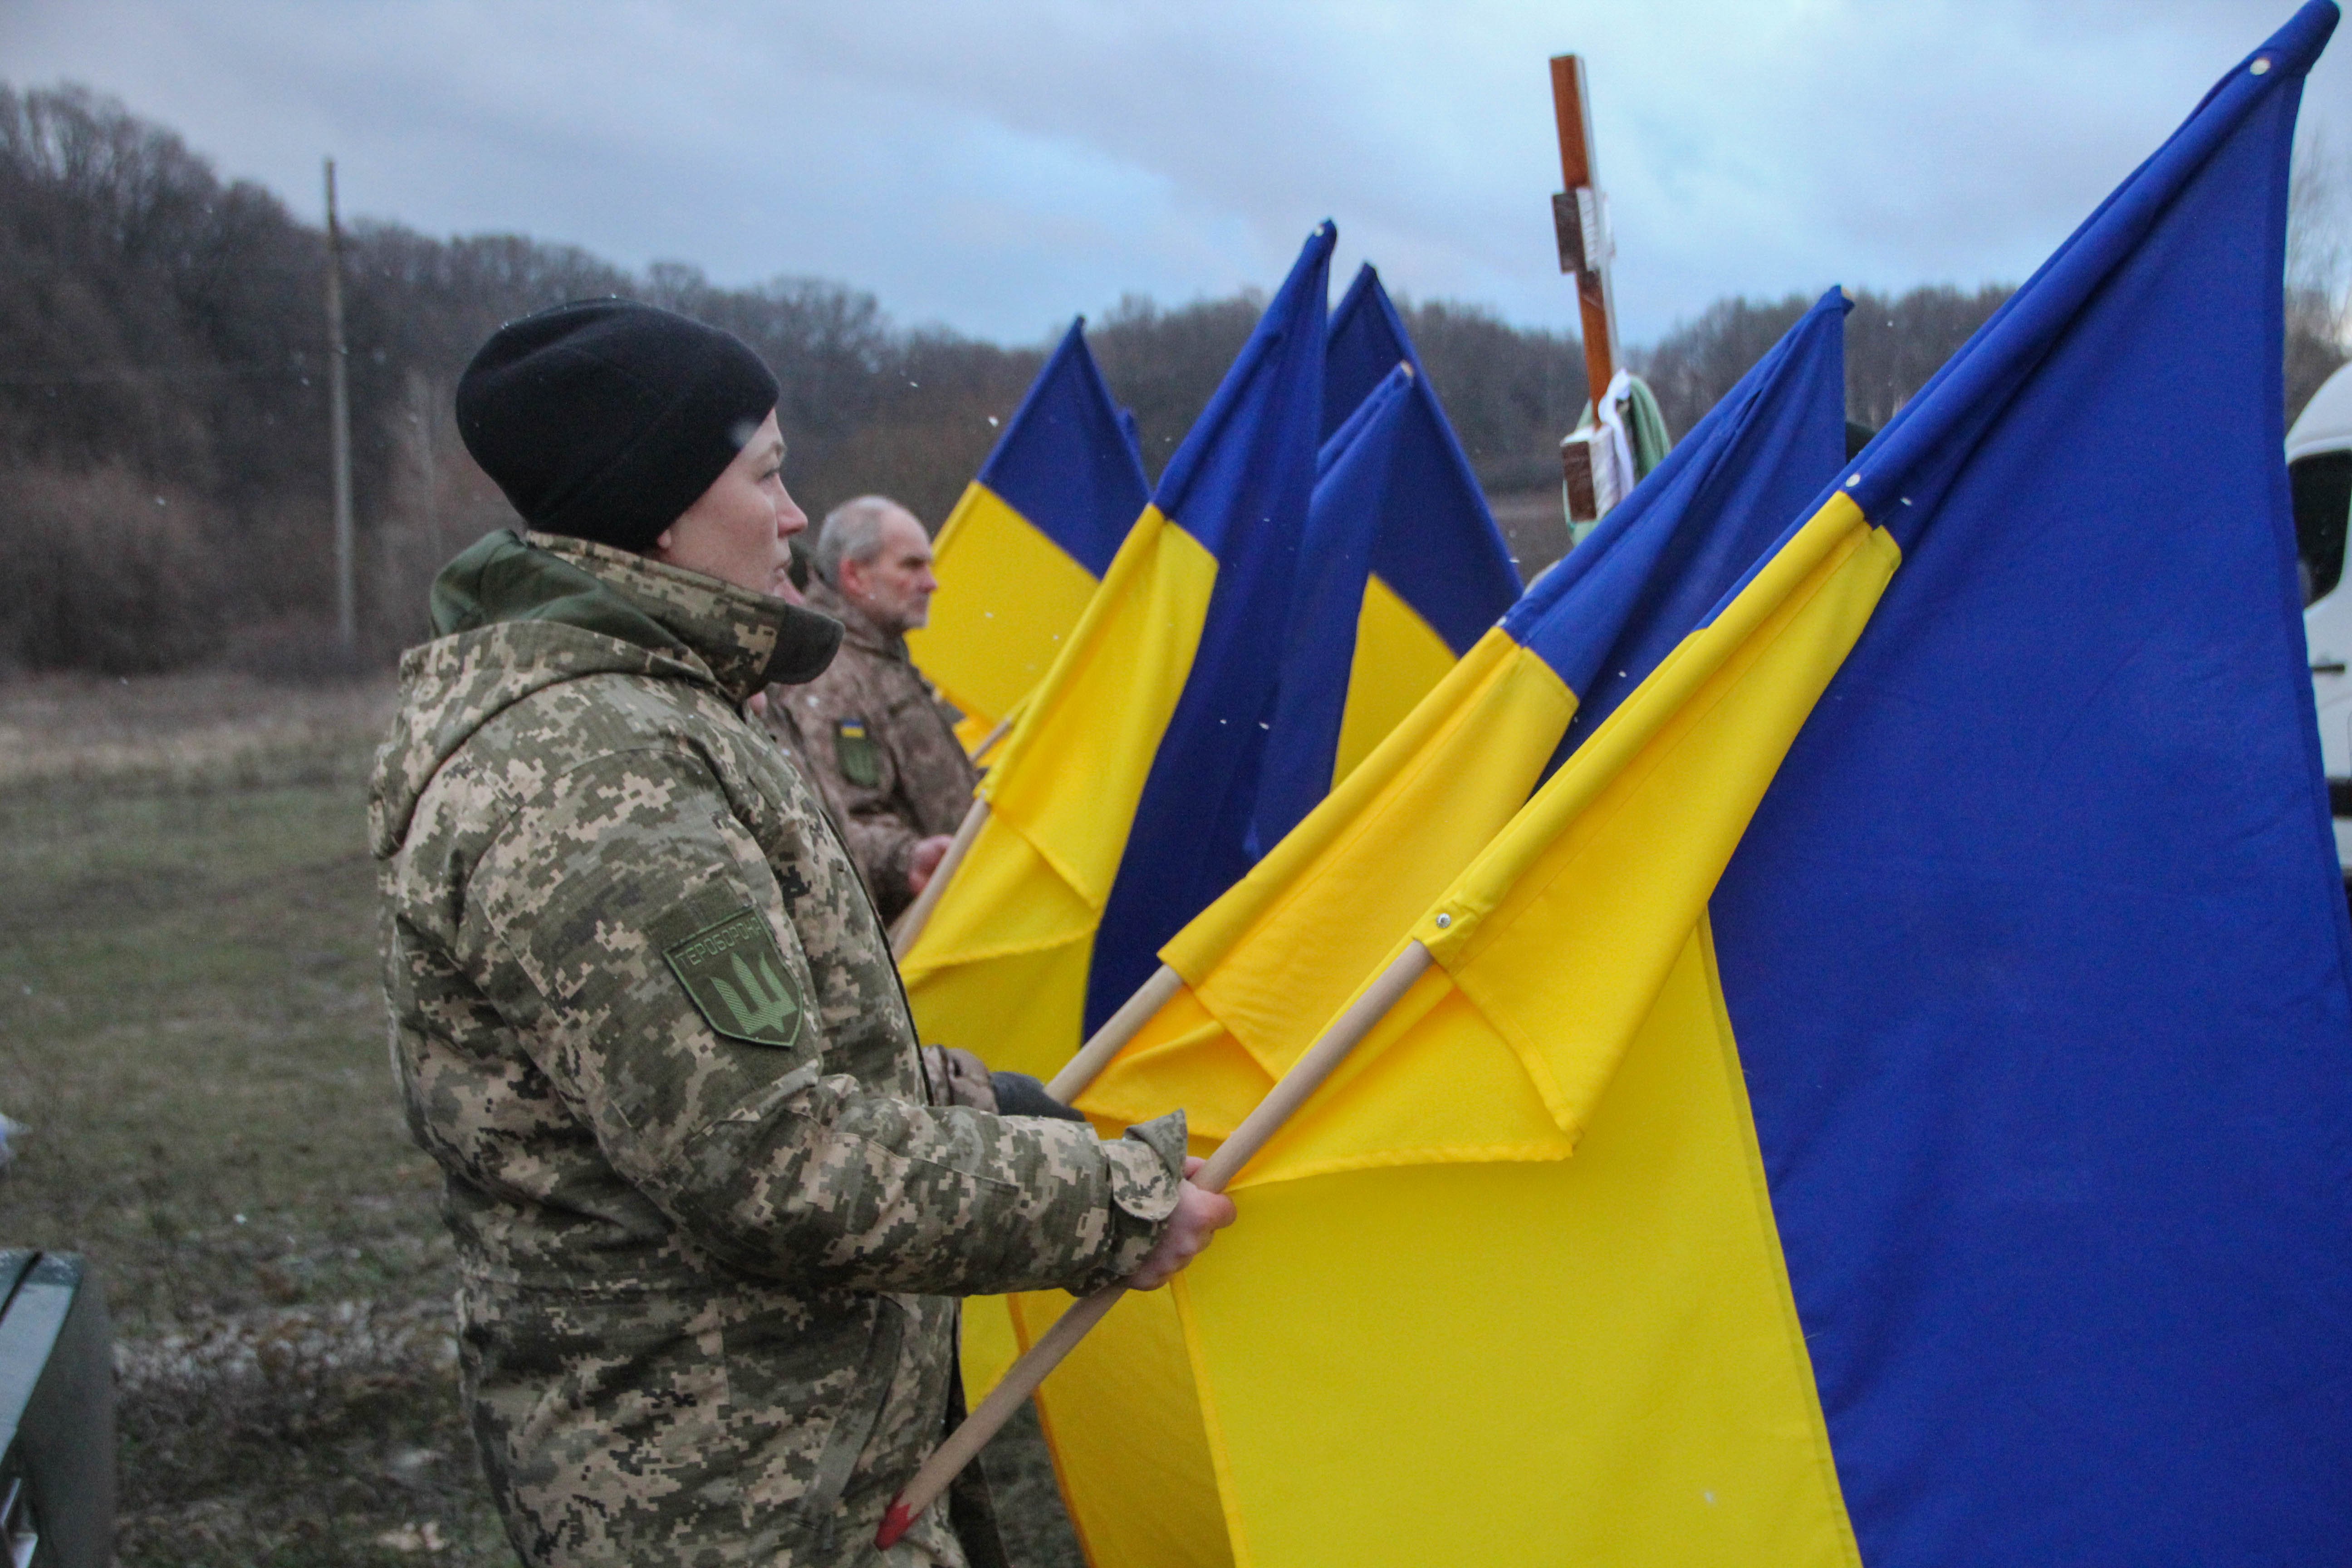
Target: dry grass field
(191, 1035)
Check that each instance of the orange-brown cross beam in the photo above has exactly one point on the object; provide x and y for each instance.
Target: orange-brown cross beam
(1581, 220)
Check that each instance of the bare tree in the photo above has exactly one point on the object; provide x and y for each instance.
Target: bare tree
(2318, 270)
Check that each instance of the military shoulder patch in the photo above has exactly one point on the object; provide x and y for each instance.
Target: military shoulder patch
(854, 749)
(739, 980)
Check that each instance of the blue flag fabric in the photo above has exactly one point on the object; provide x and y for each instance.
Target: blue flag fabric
(1661, 561)
(1022, 553)
(1240, 485)
(1343, 521)
(1438, 548)
(1367, 341)
(1396, 501)
(2036, 952)
(1068, 460)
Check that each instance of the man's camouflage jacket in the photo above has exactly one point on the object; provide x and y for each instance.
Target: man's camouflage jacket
(886, 745)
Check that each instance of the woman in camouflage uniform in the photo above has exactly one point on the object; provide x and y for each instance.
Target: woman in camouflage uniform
(710, 1227)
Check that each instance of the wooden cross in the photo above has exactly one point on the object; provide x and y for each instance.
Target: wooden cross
(1593, 482)
(1580, 216)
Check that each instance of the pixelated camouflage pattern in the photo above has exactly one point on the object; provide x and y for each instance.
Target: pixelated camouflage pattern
(706, 1285)
(869, 842)
(922, 781)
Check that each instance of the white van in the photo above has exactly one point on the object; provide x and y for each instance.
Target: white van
(2319, 468)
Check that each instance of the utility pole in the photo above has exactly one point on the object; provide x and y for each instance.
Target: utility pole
(422, 405)
(339, 421)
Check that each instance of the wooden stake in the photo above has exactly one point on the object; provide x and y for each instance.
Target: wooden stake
(1281, 1102)
(918, 913)
(1118, 1029)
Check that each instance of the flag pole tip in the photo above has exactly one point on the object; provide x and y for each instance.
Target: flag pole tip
(894, 1525)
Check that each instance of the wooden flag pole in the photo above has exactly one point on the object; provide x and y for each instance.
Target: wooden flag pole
(1281, 1102)
(1118, 1029)
(988, 742)
(918, 913)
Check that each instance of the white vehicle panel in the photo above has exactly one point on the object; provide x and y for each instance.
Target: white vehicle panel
(2319, 471)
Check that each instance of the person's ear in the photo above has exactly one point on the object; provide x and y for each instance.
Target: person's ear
(665, 539)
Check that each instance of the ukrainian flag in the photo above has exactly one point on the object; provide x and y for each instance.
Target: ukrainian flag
(1396, 467)
(1441, 573)
(1269, 963)
(1334, 574)
(1265, 964)
(1133, 765)
(1021, 553)
(1885, 1099)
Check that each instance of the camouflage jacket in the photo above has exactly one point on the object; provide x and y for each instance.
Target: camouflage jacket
(865, 841)
(709, 1229)
(886, 745)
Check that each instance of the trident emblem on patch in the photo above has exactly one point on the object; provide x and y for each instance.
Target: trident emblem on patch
(739, 980)
(775, 1006)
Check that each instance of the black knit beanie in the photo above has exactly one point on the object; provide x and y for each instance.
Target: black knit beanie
(605, 419)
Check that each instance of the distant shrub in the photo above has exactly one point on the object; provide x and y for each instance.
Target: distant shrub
(105, 572)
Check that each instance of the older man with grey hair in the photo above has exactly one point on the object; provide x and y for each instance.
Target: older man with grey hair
(872, 725)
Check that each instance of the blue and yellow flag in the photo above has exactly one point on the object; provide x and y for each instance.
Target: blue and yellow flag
(1372, 637)
(1124, 788)
(1021, 553)
(2035, 954)
(1335, 567)
(1886, 1097)
(1269, 963)
(1441, 571)
(1265, 964)
(1247, 470)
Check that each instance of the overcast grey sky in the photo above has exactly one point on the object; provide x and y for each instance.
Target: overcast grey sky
(1000, 167)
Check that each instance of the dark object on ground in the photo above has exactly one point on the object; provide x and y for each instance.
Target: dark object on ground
(57, 1414)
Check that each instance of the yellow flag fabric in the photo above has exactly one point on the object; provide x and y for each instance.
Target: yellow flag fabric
(1033, 533)
(1399, 660)
(1138, 1422)
(1287, 946)
(1603, 1368)
(1008, 595)
(1379, 1382)
(1002, 963)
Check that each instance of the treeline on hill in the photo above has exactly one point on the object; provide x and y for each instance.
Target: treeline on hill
(164, 476)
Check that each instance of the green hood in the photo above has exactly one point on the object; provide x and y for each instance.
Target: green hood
(505, 577)
(516, 614)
